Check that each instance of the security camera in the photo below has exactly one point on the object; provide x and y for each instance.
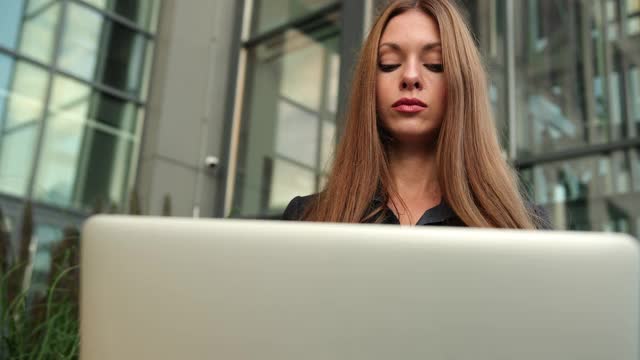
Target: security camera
(211, 162)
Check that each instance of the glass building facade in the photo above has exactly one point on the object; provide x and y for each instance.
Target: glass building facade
(565, 88)
(74, 94)
(576, 110)
(73, 87)
(288, 132)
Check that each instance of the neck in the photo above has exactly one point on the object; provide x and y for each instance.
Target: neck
(414, 171)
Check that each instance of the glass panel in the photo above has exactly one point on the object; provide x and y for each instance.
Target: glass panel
(88, 136)
(292, 90)
(635, 168)
(47, 237)
(73, 97)
(10, 22)
(80, 41)
(142, 12)
(589, 193)
(272, 13)
(634, 98)
(288, 181)
(488, 21)
(17, 148)
(569, 75)
(104, 172)
(82, 172)
(22, 91)
(328, 145)
(550, 113)
(146, 74)
(102, 50)
(124, 55)
(633, 17)
(34, 31)
(295, 130)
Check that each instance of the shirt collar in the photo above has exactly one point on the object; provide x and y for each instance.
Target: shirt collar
(436, 214)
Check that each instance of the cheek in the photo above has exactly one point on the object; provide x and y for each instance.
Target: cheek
(383, 89)
(442, 90)
(439, 93)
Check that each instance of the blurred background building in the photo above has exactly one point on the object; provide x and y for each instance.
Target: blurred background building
(114, 105)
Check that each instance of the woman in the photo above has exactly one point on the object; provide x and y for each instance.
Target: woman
(420, 145)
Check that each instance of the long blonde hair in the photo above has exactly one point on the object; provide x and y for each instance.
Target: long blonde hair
(475, 180)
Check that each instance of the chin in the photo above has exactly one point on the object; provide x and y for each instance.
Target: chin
(407, 136)
(412, 129)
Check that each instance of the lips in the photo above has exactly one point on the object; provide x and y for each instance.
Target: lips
(409, 105)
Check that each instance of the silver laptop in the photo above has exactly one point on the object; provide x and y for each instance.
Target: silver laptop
(166, 288)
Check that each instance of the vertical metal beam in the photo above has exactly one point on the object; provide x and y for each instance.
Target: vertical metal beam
(608, 71)
(57, 40)
(587, 68)
(367, 17)
(510, 47)
(233, 113)
(625, 80)
(352, 20)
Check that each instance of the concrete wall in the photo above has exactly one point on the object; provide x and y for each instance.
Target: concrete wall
(186, 107)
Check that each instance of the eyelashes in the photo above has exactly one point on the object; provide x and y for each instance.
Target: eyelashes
(437, 68)
(387, 67)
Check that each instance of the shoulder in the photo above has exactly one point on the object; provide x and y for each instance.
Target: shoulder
(296, 207)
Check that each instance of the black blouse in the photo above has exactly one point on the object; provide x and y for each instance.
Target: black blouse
(440, 214)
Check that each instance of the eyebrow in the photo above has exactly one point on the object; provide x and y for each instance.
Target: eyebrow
(426, 47)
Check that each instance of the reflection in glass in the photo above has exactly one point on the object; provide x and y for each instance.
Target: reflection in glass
(328, 145)
(10, 23)
(22, 92)
(289, 180)
(289, 118)
(29, 27)
(80, 41)
(123, 58)
(141, 12)
(272, 13)
(488, 23)
(295, 130)
(570, 74)
(549, 111)
(102, 50)
(47, 237)
(87, 149)
(589, 193)
(634, 98)
(633, 17)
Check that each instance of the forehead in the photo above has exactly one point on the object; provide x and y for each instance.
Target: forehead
(411, 28)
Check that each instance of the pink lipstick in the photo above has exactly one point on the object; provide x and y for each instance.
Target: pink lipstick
(409, 105)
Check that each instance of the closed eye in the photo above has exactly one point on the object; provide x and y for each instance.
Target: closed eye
(388, 67)
(435, 67)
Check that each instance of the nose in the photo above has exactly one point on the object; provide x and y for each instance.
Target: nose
(411, 84)
(411, 79)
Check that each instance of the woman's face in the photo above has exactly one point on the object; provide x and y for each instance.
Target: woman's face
(410, 83)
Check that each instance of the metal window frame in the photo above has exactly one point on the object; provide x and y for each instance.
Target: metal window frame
(54, 70)
(353, 22)
(593, 149)
(297, 22)
(122, 95)
(117, 18)
(590, 148)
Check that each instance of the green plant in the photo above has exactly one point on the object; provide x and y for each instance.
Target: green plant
(166, 205)
(134, 203)
(45, 327)
(39, 327)
(42, 330)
